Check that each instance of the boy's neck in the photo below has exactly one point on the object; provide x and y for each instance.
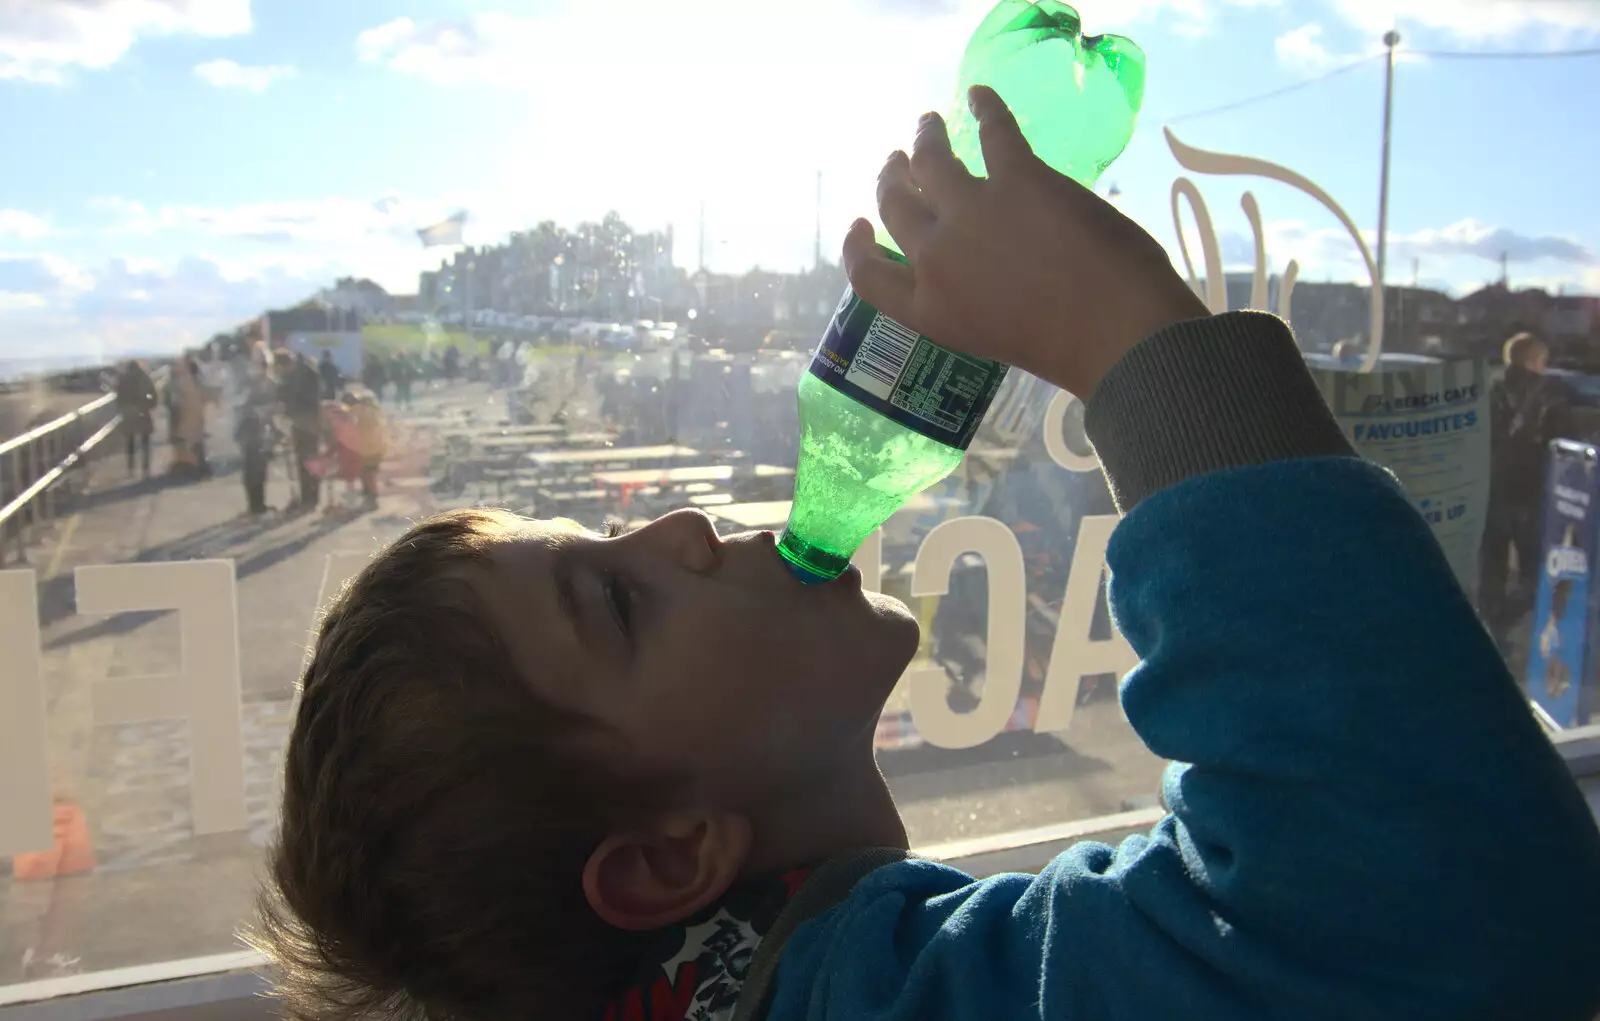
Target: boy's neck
(848, 809)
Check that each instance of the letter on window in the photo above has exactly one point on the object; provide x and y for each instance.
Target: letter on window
(930, 686)
(1074, 655)
(25, 821)
(206, 689)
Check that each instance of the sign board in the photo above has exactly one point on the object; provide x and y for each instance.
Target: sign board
(344, 346)
(1427, 421)
(1563, 652)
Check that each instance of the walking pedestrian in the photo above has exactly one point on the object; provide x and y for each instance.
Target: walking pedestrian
(300, 390)
(253, 430)
(332, 378)
(1528, 409)
(136, 403)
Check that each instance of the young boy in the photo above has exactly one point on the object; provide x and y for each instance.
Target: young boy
(540, 773)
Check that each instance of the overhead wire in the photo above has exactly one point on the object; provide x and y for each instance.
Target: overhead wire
(1504, 54)
(1346, 68)
(1273, 94)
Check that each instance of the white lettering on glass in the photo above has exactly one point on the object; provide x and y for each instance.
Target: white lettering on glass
(930, 686)
(1216, 289)
(869, 561)
(206, 689)
(25, 817)
(1055, 441)
(1074, 654)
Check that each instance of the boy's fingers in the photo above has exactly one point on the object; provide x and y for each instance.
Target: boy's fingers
(1004, 148)
(906, 213)
(882, 282)
(934, 167)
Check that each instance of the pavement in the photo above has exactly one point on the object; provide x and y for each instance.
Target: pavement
(160, 893)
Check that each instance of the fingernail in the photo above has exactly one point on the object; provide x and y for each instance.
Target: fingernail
(927, 120)
(972, 100)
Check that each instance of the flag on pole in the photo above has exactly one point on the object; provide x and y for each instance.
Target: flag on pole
(445, 232)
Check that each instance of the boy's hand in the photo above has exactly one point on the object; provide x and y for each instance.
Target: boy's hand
(1025, 266)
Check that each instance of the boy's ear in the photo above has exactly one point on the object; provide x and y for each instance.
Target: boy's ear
(651, 877)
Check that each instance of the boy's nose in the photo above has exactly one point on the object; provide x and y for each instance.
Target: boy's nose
(687, 536)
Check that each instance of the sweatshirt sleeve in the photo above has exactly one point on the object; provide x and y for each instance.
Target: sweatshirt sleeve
(1202, 395)
(1365, 822)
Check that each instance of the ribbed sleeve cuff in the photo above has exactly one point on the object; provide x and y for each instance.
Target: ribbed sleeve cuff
(1203, 395)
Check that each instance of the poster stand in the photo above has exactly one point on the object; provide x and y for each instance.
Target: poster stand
(1564, 648)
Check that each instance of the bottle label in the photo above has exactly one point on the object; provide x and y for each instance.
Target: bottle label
(931, 390)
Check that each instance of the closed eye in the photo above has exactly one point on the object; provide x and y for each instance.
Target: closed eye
(614, 528)
(619, 598)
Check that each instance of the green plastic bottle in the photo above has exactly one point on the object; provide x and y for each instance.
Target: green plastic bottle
(886, 413)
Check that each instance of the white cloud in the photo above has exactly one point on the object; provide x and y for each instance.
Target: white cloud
(1463, 240)
(665, 43)
(1482, 21)
(695, 101)
(333, 219)
(30, 283)
(1465, 254)
(314, 239)
(228, 74)
(11, 301)
(49, 304)
(1303, 48)
(14, 223)
(1471, 238)
(42, 40)
(480, 48)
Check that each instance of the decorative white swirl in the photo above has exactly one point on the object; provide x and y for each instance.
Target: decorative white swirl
(1226, 164)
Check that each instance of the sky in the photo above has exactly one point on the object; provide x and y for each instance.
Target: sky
(175, 166)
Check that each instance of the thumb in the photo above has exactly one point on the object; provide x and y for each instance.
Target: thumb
(880, 281)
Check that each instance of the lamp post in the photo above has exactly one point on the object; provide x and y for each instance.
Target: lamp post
(1391, 39)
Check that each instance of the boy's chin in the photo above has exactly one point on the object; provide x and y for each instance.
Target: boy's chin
(892, 611)
(899, 625)
(896, 638)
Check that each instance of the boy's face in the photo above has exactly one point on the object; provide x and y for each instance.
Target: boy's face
(707, 658)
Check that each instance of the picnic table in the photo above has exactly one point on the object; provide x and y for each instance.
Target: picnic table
(761, 514)
(775, 513)
(485, 432)
(607, 455)
(493, 444)
(689, 475)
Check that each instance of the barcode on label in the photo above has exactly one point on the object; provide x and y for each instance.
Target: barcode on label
(883, 355)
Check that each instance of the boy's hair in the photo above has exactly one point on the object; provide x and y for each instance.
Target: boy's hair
(437, 814)
(1522, 349)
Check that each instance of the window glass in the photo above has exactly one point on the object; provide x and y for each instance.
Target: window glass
(277, 280)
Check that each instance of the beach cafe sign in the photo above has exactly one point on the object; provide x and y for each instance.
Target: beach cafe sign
(206, 690)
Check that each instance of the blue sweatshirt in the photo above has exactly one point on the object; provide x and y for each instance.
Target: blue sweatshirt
(1365, 821)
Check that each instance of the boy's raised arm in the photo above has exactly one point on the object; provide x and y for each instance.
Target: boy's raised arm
(1365, 820)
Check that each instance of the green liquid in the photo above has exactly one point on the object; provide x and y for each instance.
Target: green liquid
(1075, 97)
(856, 468)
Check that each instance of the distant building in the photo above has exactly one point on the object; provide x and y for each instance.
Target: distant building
(1570, 324)
(1416, 320)
(361, 296)
(308, 317)
(745, 311)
